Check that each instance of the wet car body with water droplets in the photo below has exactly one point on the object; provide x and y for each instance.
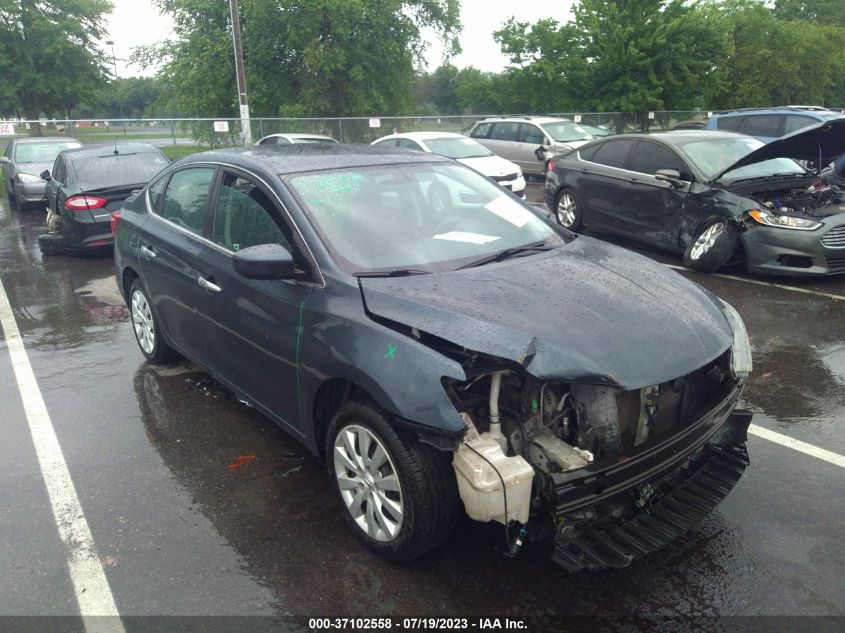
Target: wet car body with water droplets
(477, 357)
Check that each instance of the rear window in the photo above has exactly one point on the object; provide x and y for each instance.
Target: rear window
(116, 170)
(452, 147)
(613, 153)
(41, 152)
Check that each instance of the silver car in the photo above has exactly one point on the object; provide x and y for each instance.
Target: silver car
(530, 141)
(23, 162)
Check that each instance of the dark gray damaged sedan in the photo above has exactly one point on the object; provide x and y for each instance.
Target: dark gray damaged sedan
(463, 357)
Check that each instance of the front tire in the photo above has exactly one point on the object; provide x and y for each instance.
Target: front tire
(713, 246)
(146, 327)
(397, 495)
(567, 210)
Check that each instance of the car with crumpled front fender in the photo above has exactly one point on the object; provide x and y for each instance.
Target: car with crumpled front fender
(717, 198)
(475, 359)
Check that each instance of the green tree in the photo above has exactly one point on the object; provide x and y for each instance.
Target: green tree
(49, 57)
(301, 57)
(617, 55)
(828, 12)
(773, 62)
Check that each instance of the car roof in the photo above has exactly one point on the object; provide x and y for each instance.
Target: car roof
(108, 149)
(811, 111)
(423, 136)
(298, 135)
(524, 119)
(45, 139)
(672, 136)
(290, 159)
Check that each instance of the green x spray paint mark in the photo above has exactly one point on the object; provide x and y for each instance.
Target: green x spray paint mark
(391, 351)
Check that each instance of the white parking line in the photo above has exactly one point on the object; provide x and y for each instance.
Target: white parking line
(90, 585)
(757, 282)
(798, 445)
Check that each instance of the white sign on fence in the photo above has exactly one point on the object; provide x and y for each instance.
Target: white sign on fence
(651, 115)
(221, 126)
(7, 129)
(375, 122)
(577, 118)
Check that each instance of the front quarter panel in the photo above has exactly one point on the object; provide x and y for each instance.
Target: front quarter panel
(401, 374)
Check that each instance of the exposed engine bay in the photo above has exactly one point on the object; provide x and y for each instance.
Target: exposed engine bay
(818, 201)
(523, 431)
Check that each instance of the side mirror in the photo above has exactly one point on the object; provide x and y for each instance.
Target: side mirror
(45, 175)
(672, 176)
(540, 153)
(4, 160)
(266, 261)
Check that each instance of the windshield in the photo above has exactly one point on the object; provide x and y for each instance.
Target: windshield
(425, 216)
(566, 131)
(42, 152)
(116, 170)
(454, 147)
(712, 156)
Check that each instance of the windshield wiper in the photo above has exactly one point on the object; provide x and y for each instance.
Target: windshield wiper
(396, 272)
(772, 176)
(517, 251)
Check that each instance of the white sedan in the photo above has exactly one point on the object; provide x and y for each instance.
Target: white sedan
(464, 150)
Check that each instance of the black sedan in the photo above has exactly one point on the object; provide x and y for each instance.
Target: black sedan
(86, 186)
(716, 197)
(411, 348)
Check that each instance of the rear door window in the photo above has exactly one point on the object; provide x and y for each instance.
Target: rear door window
(729, 123)
(186, 196)
(762, 125)
(504, 131)
(406, 143)
(614, 153)
(388, 142)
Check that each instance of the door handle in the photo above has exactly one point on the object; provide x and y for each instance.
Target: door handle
(148, 252)
(202, 282)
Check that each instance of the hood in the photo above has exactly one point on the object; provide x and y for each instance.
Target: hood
(573, 144)
(491, 166)
(587, 312)
(34, 168)
(825, 140)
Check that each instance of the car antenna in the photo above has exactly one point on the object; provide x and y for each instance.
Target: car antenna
(115, 148)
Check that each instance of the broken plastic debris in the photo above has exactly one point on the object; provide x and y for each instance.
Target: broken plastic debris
(240, 461)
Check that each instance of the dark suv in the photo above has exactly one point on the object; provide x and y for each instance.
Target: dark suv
(767, 124)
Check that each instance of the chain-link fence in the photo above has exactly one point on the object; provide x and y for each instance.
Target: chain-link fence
(179, 137)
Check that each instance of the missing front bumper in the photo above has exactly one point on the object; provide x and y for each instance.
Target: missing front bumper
(650, 514)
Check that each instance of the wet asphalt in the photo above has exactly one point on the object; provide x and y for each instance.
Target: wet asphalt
(179, 533)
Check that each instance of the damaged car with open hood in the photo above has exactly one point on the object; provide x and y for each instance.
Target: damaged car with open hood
(474, 357)
(717, 198)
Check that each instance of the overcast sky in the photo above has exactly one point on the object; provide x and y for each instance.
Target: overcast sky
(137, 22)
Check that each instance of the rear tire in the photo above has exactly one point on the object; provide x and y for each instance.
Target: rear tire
(713, 245)
(146, 327)
(398, 496)
(567, 210)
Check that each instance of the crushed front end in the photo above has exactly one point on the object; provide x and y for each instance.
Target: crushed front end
(617, 473)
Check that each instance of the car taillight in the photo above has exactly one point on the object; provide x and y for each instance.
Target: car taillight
(115, 218)
(83, 203)
(551, 165)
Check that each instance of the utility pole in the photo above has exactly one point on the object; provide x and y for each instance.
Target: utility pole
(116, 89)
(246, 133)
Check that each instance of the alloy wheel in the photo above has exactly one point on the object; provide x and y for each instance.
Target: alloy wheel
(565, 211)
(368, 483)
(142, 321)
(706, 240)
